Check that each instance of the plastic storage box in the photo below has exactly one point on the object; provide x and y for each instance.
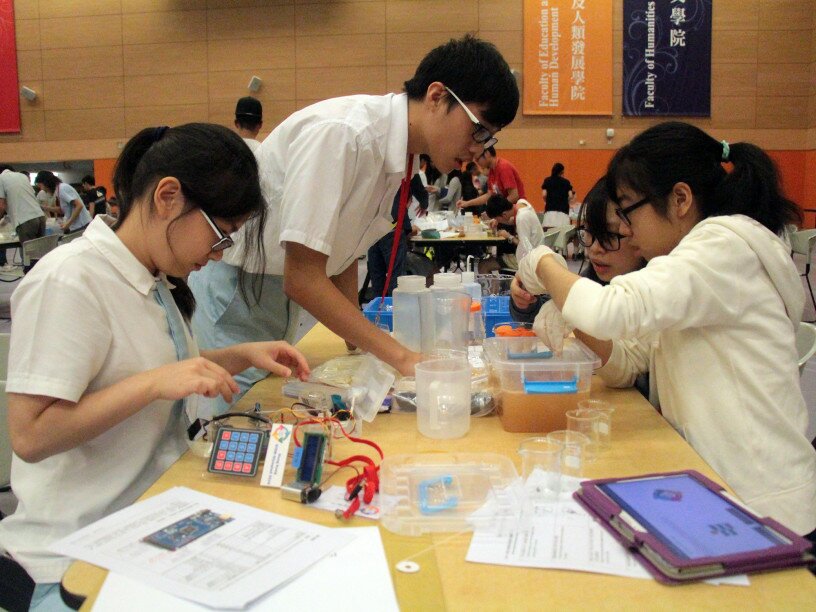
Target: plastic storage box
(386, 317)
(495, 309)
(447, 492)
(532, 391)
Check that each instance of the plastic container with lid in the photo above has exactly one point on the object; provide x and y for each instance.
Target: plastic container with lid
(413, 314)
(447, 492)
(534, 389)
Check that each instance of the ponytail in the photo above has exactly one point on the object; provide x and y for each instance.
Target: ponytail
(753, 188)
(217, 173)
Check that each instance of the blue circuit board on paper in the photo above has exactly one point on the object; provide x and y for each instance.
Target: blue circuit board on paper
(187, 530)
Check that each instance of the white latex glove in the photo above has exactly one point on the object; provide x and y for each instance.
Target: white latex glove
(551, 328)
(528, 265)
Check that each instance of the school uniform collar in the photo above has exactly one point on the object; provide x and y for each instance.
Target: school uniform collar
(105, 240)
(396, 147)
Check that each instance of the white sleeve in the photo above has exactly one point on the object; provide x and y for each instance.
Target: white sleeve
(629, 359)
(526, 225)
(320, 174)
(697, 284)
(59, 338)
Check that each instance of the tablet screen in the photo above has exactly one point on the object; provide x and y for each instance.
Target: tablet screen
(689, 518)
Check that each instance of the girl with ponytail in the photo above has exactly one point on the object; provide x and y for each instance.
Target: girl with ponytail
(712, 316)
(104, 371)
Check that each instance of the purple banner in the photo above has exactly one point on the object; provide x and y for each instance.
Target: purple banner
(667, 57)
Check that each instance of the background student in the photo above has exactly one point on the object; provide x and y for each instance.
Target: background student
(101, 356)
(329, 174)
(19, 204)
(712, 316)
(75, 216)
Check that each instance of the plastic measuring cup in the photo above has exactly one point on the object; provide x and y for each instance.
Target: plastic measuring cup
(573, 455)
(586, 422)
(541, 468)
(605, 409)
(443, 398)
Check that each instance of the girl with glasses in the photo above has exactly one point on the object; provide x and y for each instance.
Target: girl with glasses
(713, 314)
(103, 371)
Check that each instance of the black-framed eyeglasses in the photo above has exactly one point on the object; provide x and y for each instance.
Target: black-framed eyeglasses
(224, 241)
(623, 213)
(610, 241)
(480, 134)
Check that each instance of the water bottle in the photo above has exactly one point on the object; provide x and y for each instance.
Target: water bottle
(413, 314)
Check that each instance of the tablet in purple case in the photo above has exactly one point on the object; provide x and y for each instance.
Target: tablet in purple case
(682, 526)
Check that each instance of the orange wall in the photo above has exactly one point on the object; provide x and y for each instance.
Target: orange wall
(584, 166)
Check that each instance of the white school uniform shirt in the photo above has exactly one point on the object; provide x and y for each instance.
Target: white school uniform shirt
(527, 226)
(21, 204)
(83, 319)
(714, 322)
(329, 174)
(252, 144)
(66, 195)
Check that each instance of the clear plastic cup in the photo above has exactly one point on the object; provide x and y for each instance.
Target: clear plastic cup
(443, 398)
(587, 422)
(573, 455)
(605, 423)
(541, 468)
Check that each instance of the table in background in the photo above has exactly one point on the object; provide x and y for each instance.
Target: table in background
(642, 442)
(479, 240)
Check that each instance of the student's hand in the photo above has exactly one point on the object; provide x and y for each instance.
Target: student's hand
(199, 376)
(432, 189)
(528, 268)
(408, 363)
(279, 358)
(522, 298)
(503, 234)
(461, 204)
(550, 326)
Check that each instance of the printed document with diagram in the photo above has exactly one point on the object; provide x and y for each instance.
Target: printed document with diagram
(203, 548)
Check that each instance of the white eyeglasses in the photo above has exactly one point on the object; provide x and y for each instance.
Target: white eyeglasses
(480, 134)
(224, 241)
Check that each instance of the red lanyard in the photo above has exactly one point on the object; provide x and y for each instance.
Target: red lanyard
(405, 190)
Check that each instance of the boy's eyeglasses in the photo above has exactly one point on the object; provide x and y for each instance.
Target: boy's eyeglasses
(224, 241)
(623, 213)
(611, 241)
(480, 134)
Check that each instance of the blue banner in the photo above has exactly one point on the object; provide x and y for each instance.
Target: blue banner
(667, 57)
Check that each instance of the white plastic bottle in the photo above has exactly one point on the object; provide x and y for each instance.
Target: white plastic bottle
(413, 314)
(451, 306)
(470, 285)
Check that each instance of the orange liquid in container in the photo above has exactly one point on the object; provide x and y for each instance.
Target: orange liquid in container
(532, 413)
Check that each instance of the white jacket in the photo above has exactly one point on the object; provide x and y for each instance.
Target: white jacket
(714, 323)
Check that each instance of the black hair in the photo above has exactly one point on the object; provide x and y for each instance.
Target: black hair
(474, 70)
(674, 152)
(424, 157)
(47, 178)
(4, 167)
(557, 169)
(491, 149)
(89, 179)
(246, 123)
(470, 167)
(497, 205)
(217, 172)
(593, 211)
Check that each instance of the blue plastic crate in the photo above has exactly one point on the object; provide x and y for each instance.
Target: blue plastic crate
(496, 309)
(386, 317)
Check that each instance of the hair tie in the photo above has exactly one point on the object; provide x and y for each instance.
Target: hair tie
(726, 151)
(159, 132)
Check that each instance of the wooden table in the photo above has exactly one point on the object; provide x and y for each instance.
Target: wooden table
(473, 240)
(642, 442)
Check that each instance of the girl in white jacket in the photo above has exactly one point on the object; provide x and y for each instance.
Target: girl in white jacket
(712, 316)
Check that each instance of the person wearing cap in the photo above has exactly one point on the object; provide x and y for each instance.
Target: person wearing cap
(249, 120)
(330, 173)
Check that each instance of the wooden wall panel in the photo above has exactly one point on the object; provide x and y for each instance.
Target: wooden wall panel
(160, 61)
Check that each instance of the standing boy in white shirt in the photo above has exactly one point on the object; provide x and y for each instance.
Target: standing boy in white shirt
(329, 174)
